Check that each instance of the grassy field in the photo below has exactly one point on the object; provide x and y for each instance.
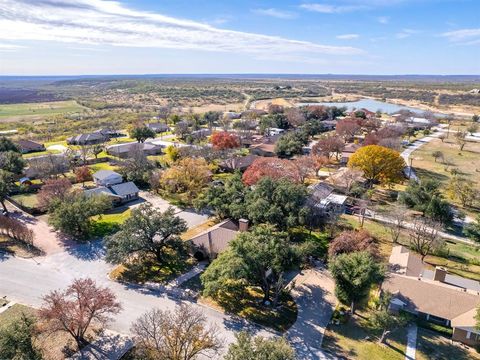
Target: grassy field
(28, 200)
(15, 112)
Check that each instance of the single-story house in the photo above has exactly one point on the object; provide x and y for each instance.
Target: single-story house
(125, 150)
(324, 201)
(213, 241)
(433, 295)
(235, 163)
(265, 146)
(109, 133)
(28, 146)
(348, 151)
(158, 127)
(119, 193)
(52, 164)
(232, 115)
(87, 139)
(201, 133)
(107, 178)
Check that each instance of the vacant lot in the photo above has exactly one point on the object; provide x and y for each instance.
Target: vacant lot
(35, 111)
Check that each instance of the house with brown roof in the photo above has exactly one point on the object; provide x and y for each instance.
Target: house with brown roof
(240, 163)
(433, 295)
(348, 151)
(265, 147)
(28, 146)
(213, 241)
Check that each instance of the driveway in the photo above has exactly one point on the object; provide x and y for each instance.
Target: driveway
(314, 295)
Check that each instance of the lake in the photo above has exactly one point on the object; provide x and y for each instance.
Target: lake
(370, 104)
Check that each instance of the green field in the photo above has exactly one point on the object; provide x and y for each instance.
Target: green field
(15, 111)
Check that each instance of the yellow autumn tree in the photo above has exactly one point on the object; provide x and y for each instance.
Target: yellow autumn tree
(379, 164)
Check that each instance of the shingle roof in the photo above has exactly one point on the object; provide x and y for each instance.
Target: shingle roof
(101, 190)
(29, 145)
(105, 174)
(238, 162)
(220, 236)
(124, 189)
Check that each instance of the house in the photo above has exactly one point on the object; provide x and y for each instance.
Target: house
(119, 193)
(265, 146)
(109, 133)
(215, 240)
(348, 151)
(368, 114)
(324, 201)
(433, 295)
(201, 133)
(28, 146)
(158, 127)
(235, 163)
(87, 139)
(232, 115)
(107, 178)
(125, 150)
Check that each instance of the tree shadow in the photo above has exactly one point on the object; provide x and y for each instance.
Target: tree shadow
(86, 251)
(427, 174)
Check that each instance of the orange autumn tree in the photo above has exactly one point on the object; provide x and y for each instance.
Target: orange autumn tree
(274, 168)
(224, 140)
(379, 164)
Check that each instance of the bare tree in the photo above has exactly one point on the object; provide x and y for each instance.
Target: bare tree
(295, 117)
(76, 308)
(398, 216)
(182, 334)
(424, 236)
(461, 139)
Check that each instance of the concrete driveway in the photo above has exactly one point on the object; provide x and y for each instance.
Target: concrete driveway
(314, 295)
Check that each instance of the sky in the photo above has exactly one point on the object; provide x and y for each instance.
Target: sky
(391, 37)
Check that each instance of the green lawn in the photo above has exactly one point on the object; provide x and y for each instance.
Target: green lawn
(28, 200)
(44, 108)
(40, 153)
(102, 166)
(431, 345)
(14, 313)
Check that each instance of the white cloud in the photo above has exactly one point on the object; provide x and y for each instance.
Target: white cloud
(10, 47)
(330, 9)
(406, 33)
(348, 36)
(99, 22)
(383, 19)
(272, 12)
(464, 36)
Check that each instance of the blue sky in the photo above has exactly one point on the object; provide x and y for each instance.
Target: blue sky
(56, 37)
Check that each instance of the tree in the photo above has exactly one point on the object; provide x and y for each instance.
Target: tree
(442, 137)
(258, 258)
(463, 190)
(17, 339)
(12, 161)
(6, 186)
(379, 164)
(227, 200)
(182, 334)
(437, 155)
(424, 236)
(291, 143)
(53, 190)
(96, 150)
(472, 230)
(475, 118)
(17, 230)
(80, 306)
(351, 241)
(295, 117)
(309, 165)
(472, 128)
(211, 117)
(271, 167)
(397, 217)
(461, 139)
(385, 321)
(172, 152)
(8, 145)
(147, 231)
(347, 128)
(83, 174)
(73, 215)
(137, 167)
(354, 275)
(329, 145)
(278, 202)
(141, 133)
(224, 140)
(181, 129)
(189, 176)
(247, 347)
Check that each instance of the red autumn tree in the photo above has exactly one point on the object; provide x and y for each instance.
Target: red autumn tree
(224, 140)
(329, 145)
(347, 128)
(352, 241)
(53, 190)
(78, 307)
(271, 167)
(83, 174)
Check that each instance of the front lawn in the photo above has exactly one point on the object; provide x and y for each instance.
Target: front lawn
(431, 345)
(29, 200)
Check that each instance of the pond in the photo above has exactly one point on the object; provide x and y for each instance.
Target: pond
(370, 104)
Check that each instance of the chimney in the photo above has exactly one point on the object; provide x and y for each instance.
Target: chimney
(439, 274)
(242, 225)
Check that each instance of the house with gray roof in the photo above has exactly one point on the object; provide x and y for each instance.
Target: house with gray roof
(158, 127)
(119, 193)
(125, 150)
(107, 178)
(87, 139)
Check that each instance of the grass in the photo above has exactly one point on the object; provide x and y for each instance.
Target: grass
(102, 166)
(149, 270)
(35, 109)
(18, 248)
(40, 153)
(353, 340)
(28, 200)
(431, 345)
(110, 222)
